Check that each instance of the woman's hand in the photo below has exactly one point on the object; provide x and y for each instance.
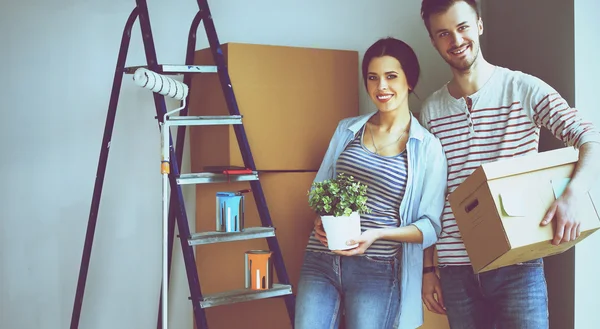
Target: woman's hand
(320, 231)
(364, 241)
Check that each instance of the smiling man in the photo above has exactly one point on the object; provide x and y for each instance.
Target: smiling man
(483, 114)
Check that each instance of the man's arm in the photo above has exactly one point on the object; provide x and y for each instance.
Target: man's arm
(431, 292)
(549, 109)
(587, 169)
(428, 254)
(564, 209)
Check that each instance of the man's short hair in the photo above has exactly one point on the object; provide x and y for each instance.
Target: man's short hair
(431, 7)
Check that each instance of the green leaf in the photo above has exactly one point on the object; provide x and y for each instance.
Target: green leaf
(339, 196)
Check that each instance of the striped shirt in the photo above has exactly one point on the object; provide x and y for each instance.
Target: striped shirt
(501, 120)
(385, 177)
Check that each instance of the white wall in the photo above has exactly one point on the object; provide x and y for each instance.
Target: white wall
(587, 70)
(58, 60)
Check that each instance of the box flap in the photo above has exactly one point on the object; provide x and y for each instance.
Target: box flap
(530, 162)
(559, 185)
(514, 204)
(523, 203)
(518, 199)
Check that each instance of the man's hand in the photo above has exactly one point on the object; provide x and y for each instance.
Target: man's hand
(365, 240)
(564, 212)
(320, 231)
(432, 293)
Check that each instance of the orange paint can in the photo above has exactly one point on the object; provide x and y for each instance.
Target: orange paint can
(259, 270)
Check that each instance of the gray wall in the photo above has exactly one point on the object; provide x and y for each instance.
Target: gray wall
(536, 37)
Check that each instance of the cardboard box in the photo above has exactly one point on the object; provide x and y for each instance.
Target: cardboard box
(499, 207)
(433, 320)
(291, 100)
(221, 265)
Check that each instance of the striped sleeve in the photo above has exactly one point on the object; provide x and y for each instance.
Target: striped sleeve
(551, 110)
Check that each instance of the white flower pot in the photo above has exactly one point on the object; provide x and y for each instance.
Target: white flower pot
(341, 229)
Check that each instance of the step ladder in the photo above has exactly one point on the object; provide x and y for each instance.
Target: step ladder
(174, 209)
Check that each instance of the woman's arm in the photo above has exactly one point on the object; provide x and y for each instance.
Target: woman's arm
(410, 234)
(435, 182)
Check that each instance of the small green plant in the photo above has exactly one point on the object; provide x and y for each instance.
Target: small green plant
(338, 197)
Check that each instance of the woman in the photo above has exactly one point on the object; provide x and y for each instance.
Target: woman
(378, 283)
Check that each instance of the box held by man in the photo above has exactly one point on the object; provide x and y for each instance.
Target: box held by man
(500, 206)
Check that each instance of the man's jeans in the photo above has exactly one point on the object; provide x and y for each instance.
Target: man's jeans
(512, 297)
(365, 288)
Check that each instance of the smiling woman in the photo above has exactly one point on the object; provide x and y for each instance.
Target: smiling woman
(388, 84)
(390, 152)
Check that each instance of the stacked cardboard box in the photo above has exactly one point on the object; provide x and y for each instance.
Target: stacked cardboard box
(291, 99)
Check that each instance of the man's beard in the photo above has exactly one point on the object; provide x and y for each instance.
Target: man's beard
(464, 66)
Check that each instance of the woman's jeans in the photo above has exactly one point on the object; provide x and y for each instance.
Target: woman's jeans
(365, 288)
(511, 297)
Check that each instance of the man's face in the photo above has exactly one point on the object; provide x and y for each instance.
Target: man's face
(455, 34)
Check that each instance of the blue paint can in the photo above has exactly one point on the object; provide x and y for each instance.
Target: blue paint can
(230, 212)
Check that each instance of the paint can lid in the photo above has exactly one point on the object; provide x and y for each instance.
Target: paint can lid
(258, 252)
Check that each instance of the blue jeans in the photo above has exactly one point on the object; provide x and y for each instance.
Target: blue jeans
(365, 288)
(512, 297)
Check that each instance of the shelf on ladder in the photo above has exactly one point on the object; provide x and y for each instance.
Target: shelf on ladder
(204, 120)
(244, 295)
(176, 69)
(204, 178)
(216, 237)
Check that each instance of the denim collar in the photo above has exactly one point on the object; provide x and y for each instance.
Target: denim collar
(416, 130)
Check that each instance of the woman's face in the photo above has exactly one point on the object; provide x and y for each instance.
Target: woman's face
(386, 83)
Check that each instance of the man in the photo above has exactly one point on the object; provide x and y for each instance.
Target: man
(483, 114)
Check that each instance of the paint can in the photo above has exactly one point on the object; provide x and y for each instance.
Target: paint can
(230, 212)
(259, 270)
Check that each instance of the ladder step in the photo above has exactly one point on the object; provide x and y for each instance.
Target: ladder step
(176, 69)
(211, 120)
(216, 237)
(244, 295)
(205, 178)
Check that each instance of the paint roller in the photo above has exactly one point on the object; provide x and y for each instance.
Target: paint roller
(177, 90)
(160, 84)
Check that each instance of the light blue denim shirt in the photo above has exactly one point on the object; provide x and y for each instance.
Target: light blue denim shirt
(421, 206)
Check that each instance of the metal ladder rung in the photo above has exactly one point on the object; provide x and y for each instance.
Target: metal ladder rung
(168, 69)
(205, 178)
(244, 295)
(205, 120)
(216, 237)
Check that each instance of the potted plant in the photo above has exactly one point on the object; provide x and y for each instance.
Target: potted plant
(339, 202)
